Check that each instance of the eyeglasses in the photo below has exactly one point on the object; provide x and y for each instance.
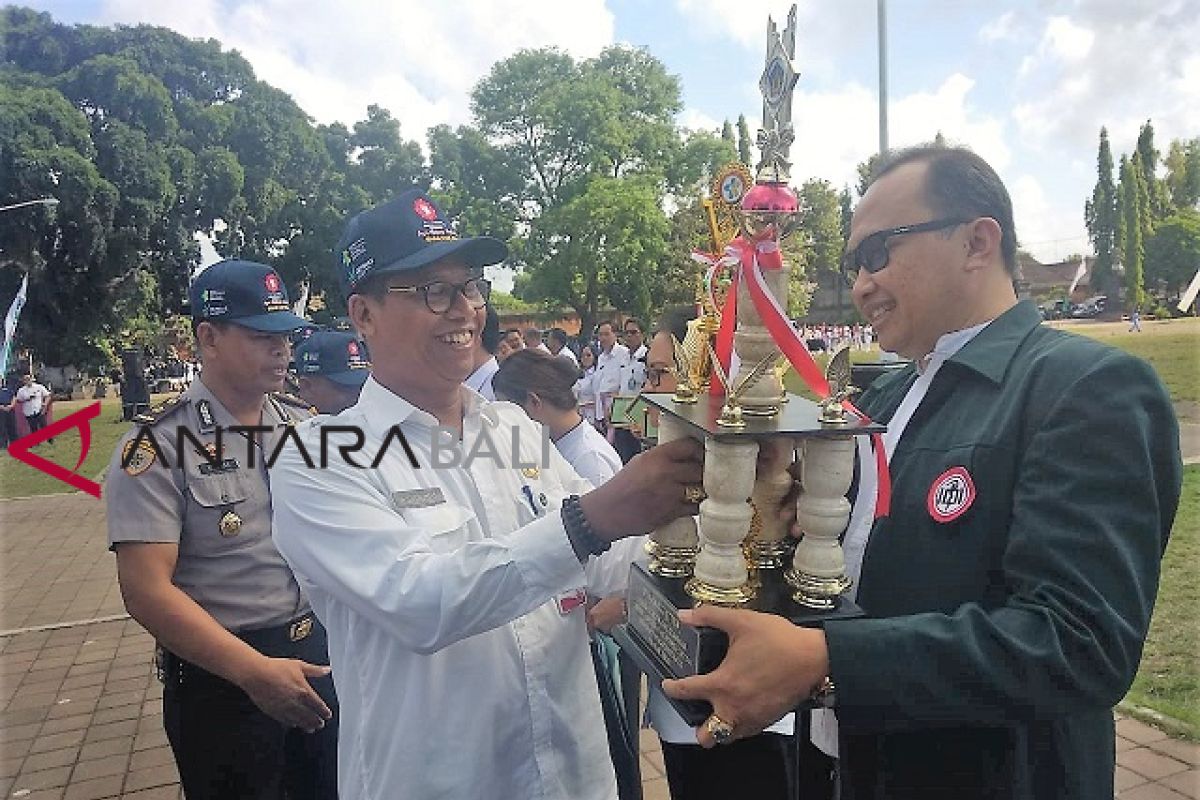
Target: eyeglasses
(439, 295)
(872, 254)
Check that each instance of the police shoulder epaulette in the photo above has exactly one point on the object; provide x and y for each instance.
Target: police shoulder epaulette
(161, 411)
(292, 401)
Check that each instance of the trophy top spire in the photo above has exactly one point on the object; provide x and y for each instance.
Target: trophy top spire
(777, 84)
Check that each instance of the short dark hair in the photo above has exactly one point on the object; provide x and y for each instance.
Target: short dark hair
(641, 328)
(490, 335)
(675, 319)
(558, 335)
(552, 378)
(604, 322)
(960, 182)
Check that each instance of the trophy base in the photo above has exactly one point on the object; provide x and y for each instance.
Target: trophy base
(812, 591)
(671, 562)
(768, 555)
(731, 597)
(662, 647)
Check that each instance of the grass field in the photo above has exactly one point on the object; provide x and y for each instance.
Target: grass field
(1169, 679)
(18, 479)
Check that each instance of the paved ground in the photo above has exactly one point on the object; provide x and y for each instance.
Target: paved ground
(81, 717)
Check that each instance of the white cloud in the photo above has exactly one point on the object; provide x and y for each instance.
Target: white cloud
(420, 60)
(835, 131)
(1066, 40)
(1115, 64)
(998, 29)
(1040, 220)
(695, 120)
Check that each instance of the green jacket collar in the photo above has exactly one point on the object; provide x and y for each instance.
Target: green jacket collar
(993, 349)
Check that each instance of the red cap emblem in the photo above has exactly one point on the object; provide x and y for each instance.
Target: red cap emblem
(271, 281)
(952, 493)
(424, 209)
(352, 348)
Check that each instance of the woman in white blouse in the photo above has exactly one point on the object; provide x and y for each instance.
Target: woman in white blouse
(584, 388)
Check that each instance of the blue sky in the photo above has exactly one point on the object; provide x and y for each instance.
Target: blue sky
(1027, 84)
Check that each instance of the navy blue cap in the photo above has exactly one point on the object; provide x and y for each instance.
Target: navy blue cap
(407, 232)
(336, 355)
(246, 293)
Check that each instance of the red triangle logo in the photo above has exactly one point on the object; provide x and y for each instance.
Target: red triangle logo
(80, 419)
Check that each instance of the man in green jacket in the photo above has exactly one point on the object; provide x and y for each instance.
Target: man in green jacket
(1035, 479)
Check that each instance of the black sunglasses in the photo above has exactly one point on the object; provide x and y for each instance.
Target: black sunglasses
(872, 254)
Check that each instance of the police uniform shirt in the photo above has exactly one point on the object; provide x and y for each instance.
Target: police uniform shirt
(220, 516)
(454, 605)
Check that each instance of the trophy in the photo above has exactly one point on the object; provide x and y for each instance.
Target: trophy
(757, 440)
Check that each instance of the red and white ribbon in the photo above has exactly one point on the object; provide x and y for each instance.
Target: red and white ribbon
(747, 260)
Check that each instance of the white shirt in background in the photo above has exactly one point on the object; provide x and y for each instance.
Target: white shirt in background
(481, 379)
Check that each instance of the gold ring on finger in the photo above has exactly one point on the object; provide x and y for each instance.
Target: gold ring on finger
(721, 731)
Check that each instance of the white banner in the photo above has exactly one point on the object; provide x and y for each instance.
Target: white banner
(10, 323)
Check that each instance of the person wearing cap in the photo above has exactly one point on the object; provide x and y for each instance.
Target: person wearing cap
(248, 701)
(454, 594)
(331, 368)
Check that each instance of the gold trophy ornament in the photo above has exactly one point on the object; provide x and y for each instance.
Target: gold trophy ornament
(837, 375)
(755, 436)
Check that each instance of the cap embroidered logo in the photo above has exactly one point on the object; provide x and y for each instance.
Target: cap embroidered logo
(424, 209)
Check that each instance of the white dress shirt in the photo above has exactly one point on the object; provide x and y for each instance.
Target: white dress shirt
(456, 672)
(607, 380)
(585, 394)
(32, 398)
(633, 374)
(590, 454)
(481, 379)
(565, 352)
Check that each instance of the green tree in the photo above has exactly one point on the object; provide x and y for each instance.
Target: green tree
(744, 142)
(821, 226)
(727, 133)
(1183, 173)
(866, 170)
(1173, 252)
(1132, 206)
(1156, 192)
(1100, 214)
(607, 245)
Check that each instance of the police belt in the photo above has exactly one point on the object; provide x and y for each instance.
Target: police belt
(302, 638)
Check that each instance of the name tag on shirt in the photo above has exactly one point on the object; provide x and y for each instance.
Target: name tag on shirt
(569, 601)
(418, 498)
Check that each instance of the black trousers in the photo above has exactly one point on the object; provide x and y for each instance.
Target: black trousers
(227, 749)
(8, 429)
(761, 767)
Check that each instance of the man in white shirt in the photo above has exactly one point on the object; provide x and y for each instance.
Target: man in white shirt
(556, 343)
(533, 340)
(33, 398)
(485, 363)
(610, 364)
(453, 593)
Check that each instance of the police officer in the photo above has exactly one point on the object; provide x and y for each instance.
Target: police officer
(248, 701)
(331, 368)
